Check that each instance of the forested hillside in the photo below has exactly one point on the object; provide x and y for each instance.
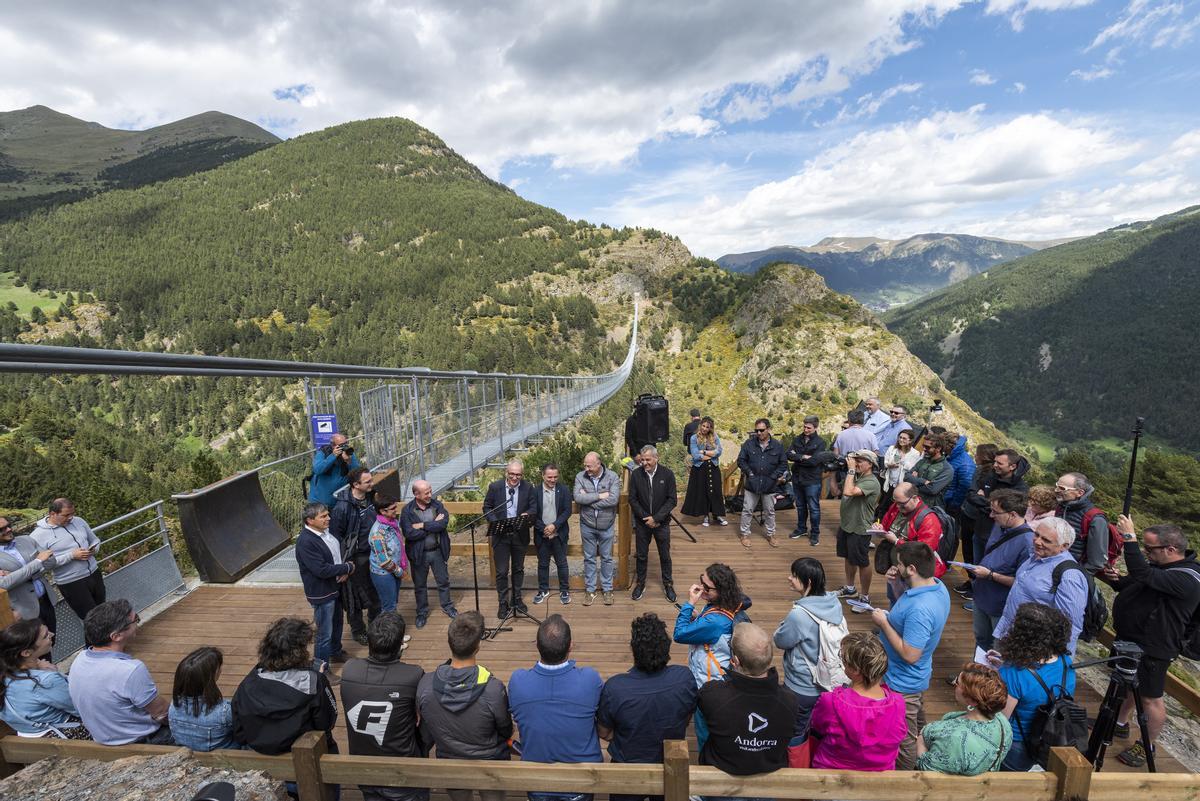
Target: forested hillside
(1077, 339)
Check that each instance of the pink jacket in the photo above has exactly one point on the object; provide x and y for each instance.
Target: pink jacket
(853, 732)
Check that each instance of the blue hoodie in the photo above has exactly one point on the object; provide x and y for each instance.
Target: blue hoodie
(799, 637)
(964, 474)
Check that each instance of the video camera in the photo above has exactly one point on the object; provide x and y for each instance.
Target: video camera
(828, 460)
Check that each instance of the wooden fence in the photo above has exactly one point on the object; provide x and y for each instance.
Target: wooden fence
(1069, 777)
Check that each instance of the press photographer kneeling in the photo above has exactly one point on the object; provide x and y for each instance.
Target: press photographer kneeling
(1155, 604)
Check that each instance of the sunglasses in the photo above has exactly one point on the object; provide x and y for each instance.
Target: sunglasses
(896, 414)
(706, 586)
(760, 431)
(1146, 547)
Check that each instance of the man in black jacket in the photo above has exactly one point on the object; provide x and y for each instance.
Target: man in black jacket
(763, 465)
(350, 521)
(806, 480)
(1155, 603)
(424, 521)
(379, 694)
(690, 428)
(751, 716)
(510, 498)
(652, 498)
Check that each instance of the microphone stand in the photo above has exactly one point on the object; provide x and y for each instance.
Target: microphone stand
(474, 564)
(511, 612)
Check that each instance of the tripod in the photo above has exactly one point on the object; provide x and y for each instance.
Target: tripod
(1122, 681)
(506, 529)
(683, 528)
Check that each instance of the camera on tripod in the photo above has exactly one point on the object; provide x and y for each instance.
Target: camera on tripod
(1126, 657)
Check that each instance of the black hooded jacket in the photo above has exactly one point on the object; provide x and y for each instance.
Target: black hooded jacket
(976, 506)
(1155, 603)
(271, 709)
(381, 708)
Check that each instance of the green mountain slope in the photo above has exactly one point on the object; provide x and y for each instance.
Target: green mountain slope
(48, 158)
(1076, 339)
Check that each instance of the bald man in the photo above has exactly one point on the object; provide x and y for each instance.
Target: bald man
(751, 716)
(510, 498)
(597, 491)
(425, 523)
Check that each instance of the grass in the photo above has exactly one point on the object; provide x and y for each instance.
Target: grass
(25, 298)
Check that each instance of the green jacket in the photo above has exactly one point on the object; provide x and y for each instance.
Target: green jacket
(931, 477)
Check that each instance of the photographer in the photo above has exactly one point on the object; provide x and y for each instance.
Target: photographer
(332, 464)
(860, 496)
(1154, 604)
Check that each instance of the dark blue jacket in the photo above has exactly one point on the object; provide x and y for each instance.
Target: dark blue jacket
(495, 504)
(562, 505)
(414, 538)
(964, 474)
(318, 571)
(762, 467)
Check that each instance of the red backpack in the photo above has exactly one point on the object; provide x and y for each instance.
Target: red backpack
(1116, 546)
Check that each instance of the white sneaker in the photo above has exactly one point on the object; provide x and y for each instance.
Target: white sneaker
(704, 522)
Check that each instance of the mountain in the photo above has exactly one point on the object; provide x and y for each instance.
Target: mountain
(886, 272)
(1076, 339)
(375, 243)
(47, 157)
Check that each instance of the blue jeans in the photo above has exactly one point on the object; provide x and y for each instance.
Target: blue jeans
(597, 542)
(387, 586)
(1017, 759)
(420, 580)
(808, 504)
(328, 619)
(984, 624)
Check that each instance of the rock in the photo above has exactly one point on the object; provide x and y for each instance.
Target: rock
(171, 777)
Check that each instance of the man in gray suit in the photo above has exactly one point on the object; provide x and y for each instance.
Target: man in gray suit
(21, 564)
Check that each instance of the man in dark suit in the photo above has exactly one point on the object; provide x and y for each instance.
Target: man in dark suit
(551, 508)
(652, 498)
(690, 428)
(508, 498)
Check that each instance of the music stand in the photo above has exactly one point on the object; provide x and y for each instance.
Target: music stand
(506, 528)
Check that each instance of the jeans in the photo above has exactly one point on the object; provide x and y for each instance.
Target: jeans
(420, 580)
(662, 538)
(504, 555)
(555, 546)
(984, 624)
(387, 586)
(808, 505)
(750, 502)
(1017, 758)
(597, 541)
(700, 727)
(328, 618)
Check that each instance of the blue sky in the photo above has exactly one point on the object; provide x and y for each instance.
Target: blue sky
(733, 126)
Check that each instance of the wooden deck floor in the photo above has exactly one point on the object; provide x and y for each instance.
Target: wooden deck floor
(234, 618)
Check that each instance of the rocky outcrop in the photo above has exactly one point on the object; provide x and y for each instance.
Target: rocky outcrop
(172, 777)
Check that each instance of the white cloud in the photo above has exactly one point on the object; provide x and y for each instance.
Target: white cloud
(1096, 73)
(581, 84)
(1018, 88)
(897, 180)
(1016, 10)
(981, 78)
(1160, 23)
(869, 104)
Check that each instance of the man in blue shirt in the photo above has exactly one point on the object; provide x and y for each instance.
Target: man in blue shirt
(855, 437)
(554, 704)
(1034, 581)
(885, 437)
(1006, 550)
(650, 703)
(910, 634)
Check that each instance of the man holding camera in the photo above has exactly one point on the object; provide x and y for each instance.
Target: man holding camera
(1155, 602)
(860, 496)
(331, 468)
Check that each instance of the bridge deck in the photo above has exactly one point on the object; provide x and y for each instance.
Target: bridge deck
(234, 617)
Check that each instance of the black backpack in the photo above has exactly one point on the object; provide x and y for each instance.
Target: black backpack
(1095, 614)
(948, 544)
(1058, 722)
(1190, 646)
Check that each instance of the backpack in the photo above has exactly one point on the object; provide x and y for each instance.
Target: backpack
(1058, 722)
(948, 544)
(1116, 546)
(1190, 645)
(828, 673)
(1095, 614)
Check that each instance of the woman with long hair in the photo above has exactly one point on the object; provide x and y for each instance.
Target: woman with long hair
(388, 559)
(973, 741)
(201, 718)
(897, 460)
(861, 726)
(34, 697)
(705, 493)
(1036, 665)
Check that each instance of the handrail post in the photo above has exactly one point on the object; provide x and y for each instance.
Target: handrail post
(500, 414)
(306, 757)
(1073, 772)
(520, 413)
(675, 770)
(466, 389)
(416, 396)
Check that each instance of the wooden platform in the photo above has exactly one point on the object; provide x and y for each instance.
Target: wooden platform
(234, 618)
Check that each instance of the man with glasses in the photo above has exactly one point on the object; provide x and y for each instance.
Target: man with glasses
(510, 498)
(1007, 547)
(1090, 548)
(1155, 604)
(114, 693)
(886, 436)
(806, 480)
(763, 465)
(21, 565)
(933, 474)
(910, 520)
(351, 521)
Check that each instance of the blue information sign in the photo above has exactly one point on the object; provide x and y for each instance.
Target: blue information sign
(324, 426)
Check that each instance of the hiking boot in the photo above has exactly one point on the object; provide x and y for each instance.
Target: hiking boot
(541, 596)
(1134, 756)
(589, 598)
(866, 599)
(608, 598)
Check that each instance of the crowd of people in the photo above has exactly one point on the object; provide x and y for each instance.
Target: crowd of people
(911, 510)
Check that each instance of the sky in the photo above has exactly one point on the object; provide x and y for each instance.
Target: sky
(735, 126)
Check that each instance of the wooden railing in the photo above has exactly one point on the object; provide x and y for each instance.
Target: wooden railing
(1068, 778)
